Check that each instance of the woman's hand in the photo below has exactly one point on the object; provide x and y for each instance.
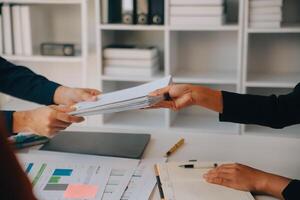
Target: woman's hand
(184, 95)
(245, 178)
(46, 121)
(69, 96)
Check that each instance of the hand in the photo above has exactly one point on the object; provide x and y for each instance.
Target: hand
(44, 121)
(69, 96)
(241, 177)
(184, 95)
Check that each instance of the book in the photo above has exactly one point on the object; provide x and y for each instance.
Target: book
(26, 30)
(265, 17)
(130, 71)
(1, 32)
(196, 10)
(122, 100)
(17, 29)
(265, 3)
(129, 52)
(142, 63)
(275, 24)
(199, 20)
(265, 10)
(7, 29)
(197, 2)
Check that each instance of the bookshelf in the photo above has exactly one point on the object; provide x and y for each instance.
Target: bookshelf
(271, 61)
(54, 21)
(185, 53)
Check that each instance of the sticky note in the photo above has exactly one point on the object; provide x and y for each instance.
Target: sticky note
(81, 191)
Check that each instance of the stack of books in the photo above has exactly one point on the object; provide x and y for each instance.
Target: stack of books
(127, 60)
(197, 12)
(15, 30)
(265, 13)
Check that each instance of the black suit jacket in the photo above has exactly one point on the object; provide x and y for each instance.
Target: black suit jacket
(21, 82)
(272, 111)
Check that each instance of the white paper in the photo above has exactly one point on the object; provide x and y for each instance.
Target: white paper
(143, 180)
(121, 173)
(130, 97)
(41, 169)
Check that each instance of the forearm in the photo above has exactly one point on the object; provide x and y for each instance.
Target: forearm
(208, 98)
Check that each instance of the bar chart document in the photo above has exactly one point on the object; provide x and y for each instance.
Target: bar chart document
(57, 180)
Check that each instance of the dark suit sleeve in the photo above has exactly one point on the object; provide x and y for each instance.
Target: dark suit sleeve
(21, 82)
(272, 111)
(292, 191)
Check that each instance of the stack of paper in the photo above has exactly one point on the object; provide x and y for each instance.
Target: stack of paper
(265, 13)
(126, 60)
(127, 99)
(197, 12)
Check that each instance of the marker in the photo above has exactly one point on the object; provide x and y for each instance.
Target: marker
(175, 147)
(199, 166)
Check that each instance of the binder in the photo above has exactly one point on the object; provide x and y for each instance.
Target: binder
(128, 11)
(157, 11)
(114, 11)
(7, 29)
(26, 30)
(104, 11)
(17, 29)
(142, 11)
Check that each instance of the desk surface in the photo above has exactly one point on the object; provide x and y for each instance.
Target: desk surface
(276, 155)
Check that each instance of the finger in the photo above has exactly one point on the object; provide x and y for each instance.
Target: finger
(68, 118)
(160, 91)
(183, 101)
(60, 124)
(65, 109)
(164, 104)
(93, 92)
(222, 175)
(220, 181)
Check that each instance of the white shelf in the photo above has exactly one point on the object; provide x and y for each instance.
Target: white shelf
(205, 123)
(140, 119)
(275, 30)
(292, 131)
(231, 27)
(38, 58)
(132, 78)
(132, 27)
(188, 76)
(43, 1)
(282, 80)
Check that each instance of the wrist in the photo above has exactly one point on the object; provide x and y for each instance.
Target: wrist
(20, 122)
(59, 95)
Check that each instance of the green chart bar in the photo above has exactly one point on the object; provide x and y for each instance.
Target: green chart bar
(39, 174)
(54, 179)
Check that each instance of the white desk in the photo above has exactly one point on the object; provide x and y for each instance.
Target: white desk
(278, 155)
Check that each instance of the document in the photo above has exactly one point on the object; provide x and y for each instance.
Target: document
(143, 180)
(55, 178)
(127, 99)
(121, 170)
(182, 183)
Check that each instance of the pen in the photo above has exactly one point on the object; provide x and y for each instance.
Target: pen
(199, 166)
(159, 185)
(175, 147)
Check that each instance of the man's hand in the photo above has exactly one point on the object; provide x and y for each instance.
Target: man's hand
(44, 121)
(245, 178)
(184, 95)
(69, 96)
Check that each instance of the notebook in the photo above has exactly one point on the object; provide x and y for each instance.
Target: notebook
(181, 183)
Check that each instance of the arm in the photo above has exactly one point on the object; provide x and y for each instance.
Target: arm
(272, 111)
(21, 82)
(245, 178)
